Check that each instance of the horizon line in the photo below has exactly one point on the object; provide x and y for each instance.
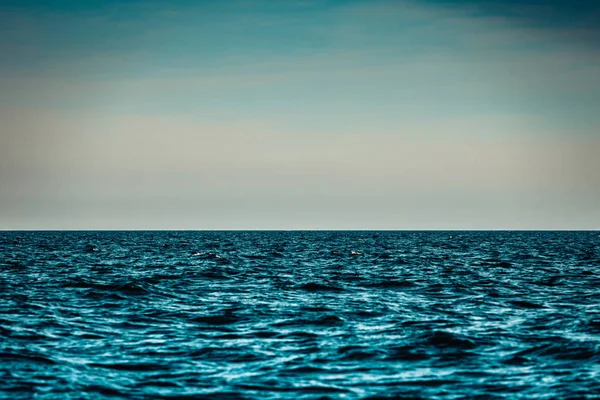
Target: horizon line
(303, 230)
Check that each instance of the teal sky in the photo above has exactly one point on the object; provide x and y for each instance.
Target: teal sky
(299, 115)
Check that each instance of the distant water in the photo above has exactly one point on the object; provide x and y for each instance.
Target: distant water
(299, 315)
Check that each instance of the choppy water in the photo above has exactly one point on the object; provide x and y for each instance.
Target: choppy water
(315, 315)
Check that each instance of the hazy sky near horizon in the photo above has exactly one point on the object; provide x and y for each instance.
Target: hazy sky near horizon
(305, 114)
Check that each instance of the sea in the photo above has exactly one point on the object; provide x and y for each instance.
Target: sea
(299, 315)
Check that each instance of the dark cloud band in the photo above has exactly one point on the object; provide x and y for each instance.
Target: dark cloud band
(554, 15)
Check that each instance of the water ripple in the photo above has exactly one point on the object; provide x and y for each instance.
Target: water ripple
(308, 315)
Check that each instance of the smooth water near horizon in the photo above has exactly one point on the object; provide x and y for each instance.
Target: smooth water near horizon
(299, 315)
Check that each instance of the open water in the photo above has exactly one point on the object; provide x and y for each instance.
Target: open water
(299, 315)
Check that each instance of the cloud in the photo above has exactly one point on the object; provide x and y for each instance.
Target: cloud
(560, 19)
(342, 115)
(174, 146)
(73, 169)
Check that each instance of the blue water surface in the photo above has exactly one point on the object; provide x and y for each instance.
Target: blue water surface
(299, 315)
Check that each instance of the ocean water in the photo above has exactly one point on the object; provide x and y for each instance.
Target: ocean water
(299, 315)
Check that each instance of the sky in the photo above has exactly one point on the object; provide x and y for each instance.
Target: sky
(305, 114)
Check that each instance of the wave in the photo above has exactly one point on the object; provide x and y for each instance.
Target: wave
(297, 315)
